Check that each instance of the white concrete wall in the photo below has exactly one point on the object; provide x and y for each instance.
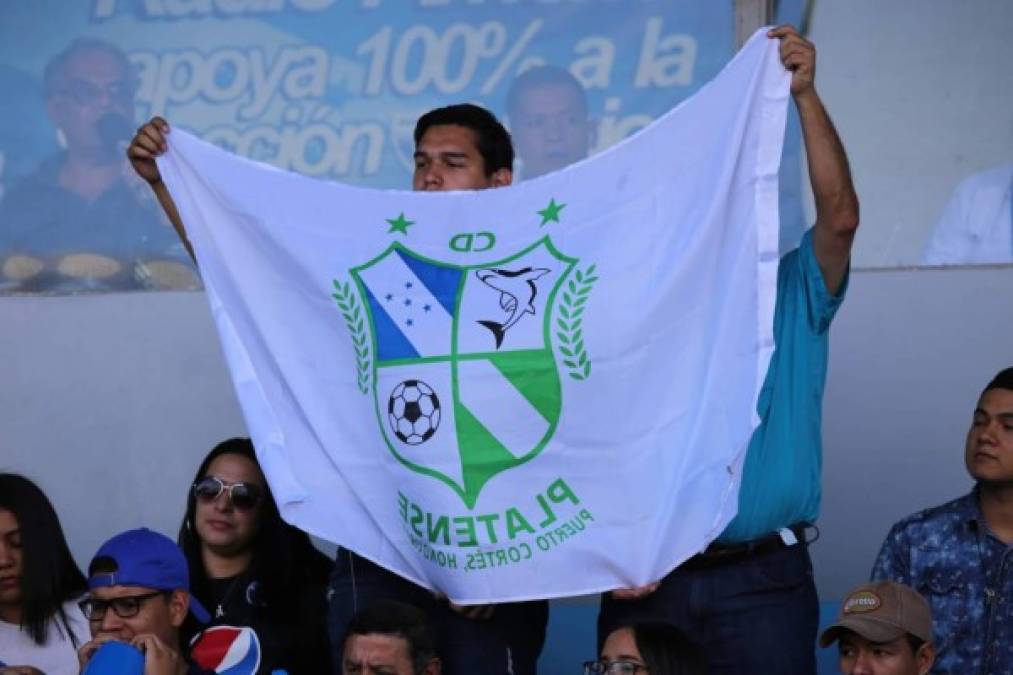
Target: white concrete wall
(109, 402)
(922, 94)
(911, 351)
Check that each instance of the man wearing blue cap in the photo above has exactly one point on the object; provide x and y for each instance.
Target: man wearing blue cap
(139, 593)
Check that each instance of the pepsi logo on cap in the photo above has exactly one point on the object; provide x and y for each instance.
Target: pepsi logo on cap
(227, 650)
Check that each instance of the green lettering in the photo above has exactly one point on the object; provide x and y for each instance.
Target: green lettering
(550, 516)
(402, 503)
(466, 531)
(416, 519)
(489, 520)
(433, 530)
(490, 241)
(560, 491)
(462, 247)
(515, 523)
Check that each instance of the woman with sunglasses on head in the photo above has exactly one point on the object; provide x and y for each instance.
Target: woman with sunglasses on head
(647, 648)
(40, 623)
(251, 569)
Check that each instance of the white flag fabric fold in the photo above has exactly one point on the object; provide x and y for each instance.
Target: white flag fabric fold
(525, 392)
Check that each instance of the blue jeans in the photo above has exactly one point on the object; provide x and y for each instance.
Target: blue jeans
(508, 643)
(757, 613)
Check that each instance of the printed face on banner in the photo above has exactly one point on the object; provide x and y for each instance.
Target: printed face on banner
(464, 377)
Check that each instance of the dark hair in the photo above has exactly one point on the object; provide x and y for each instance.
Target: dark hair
(914, 642)
(542, 76)
(492, 138)
(49, 575)
(284, 558)
(103, 564)
(666, 650)
(54, 70)
(397, 619)
(1003, 380)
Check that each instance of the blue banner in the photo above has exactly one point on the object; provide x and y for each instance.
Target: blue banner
(325, 88)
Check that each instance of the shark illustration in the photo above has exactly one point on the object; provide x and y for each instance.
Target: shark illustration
(517, 293)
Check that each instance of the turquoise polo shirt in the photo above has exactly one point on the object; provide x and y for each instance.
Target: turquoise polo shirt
(781, 475)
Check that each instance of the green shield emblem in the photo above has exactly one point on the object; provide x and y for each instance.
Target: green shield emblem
(460, 360)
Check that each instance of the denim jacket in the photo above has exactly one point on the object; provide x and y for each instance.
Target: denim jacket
(964, 571)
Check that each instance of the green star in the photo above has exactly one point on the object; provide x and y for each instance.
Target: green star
(551, 212)
(399, 224)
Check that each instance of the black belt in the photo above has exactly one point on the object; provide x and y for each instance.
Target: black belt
(722, 554)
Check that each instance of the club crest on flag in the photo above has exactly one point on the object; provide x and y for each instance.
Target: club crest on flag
(491, 356)
(460, 359)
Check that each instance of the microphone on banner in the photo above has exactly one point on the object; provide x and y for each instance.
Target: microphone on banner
(113, 129)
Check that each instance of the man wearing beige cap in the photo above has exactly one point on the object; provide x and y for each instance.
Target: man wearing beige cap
(884, 628)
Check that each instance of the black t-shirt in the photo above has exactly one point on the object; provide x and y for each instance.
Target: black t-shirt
(247, 636)
(41, 219)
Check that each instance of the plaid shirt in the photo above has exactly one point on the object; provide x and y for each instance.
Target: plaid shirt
(949, 555)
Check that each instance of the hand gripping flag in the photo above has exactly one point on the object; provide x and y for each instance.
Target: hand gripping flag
(524, 392)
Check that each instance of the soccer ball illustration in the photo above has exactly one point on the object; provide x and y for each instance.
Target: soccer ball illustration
(413, 411)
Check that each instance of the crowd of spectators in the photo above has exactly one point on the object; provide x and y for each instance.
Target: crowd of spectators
(243, 589)
(243, 592)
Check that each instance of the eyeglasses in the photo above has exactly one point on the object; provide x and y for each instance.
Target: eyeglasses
(125, 607)
(613, 668)
(244, 496)
(84, 92)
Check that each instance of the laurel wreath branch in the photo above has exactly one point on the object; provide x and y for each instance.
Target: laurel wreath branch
(351, 310)
(569, 323)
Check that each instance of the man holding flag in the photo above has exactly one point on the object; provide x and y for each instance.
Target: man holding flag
(749, 598)
(780, 486)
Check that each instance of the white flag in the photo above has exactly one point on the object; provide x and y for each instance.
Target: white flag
(525, 392)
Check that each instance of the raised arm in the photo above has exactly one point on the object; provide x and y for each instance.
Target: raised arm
(148, 143)
(833, 191)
